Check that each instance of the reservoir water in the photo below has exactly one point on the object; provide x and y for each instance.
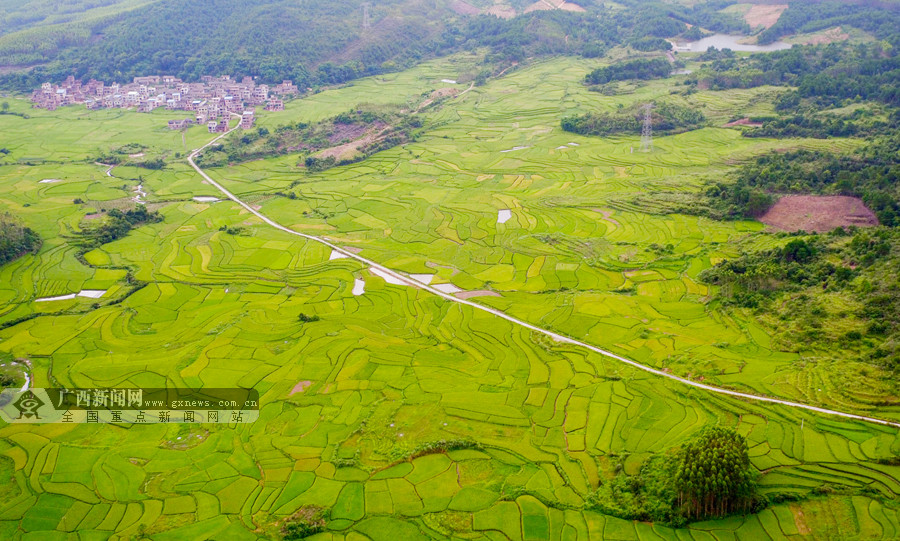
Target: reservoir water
(726, 41)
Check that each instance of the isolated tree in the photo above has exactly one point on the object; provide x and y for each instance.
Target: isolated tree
(4, 106)
(713, 476)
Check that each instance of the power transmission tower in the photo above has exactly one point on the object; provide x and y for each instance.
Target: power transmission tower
(647, 131)
(367, 23)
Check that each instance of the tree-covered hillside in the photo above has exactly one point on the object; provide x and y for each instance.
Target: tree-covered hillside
(317, 43)
(321, 43)
(16, 239)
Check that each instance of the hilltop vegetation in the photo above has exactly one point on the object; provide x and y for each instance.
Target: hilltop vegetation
(16, 239)
(803, 17)
(116, 225)
(824, 75)
(352, 136)
(840, 289)
(667, 119)
(871, 173)
(639, 68)
(18, 14)
(709, 476)
(318, 43)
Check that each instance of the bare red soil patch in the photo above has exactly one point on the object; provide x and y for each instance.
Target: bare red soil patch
(764, 15)
(743, 122)
(300, 387)
(464, 8)
(819, 213)
(832, 35)
(569, 6)
(349, 132)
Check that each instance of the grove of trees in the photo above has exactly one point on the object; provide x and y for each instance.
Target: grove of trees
(16, 239)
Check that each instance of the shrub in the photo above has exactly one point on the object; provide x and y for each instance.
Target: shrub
(306, 521)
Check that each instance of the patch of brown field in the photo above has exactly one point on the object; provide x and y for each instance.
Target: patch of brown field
(463, 8)
(764, 15)
(607, 215)
(339, 151)
(800, 520)
(569, 6)
(444, 92)
(819, 213)
(300, 387)
(540, 5)
(503, 11)
(350, 132)
(832, 35)
(95, 216)
(437, 94)
(743, 122)
(477, 293)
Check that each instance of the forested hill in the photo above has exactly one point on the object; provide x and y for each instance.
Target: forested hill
(310, 41)
(316, 42)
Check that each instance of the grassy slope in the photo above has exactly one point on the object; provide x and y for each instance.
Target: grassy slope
(222, 310)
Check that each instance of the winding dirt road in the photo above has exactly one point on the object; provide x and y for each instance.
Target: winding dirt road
(556, 336)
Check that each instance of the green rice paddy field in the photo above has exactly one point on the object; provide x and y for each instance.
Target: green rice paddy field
(348, 399)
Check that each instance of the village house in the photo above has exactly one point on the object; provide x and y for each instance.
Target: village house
(247, 120)
(275, 104)
(180, 124)
(220, 126)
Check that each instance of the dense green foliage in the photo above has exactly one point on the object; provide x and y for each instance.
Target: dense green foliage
(308, 520)
(709, 476)
(862, 123)
(667, 119)
(651, 44)
(707, 15)
(736, 200)
(16, 239)
(116, 225)
(639, 68)
(787, 281)
(804, 17)
(823, 75)
(714, 477)
(17, 14)
(317, 43)
(649, 496)
(872, 173)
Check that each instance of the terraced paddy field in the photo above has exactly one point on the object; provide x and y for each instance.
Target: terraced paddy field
(351, 401)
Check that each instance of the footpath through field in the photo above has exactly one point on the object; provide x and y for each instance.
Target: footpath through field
(556, 336)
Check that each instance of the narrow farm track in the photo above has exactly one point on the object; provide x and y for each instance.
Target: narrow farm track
(556, 336)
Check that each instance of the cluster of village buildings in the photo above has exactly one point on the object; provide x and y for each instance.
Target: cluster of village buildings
(213, 100)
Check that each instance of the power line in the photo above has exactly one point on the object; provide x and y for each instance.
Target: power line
(647, 131)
